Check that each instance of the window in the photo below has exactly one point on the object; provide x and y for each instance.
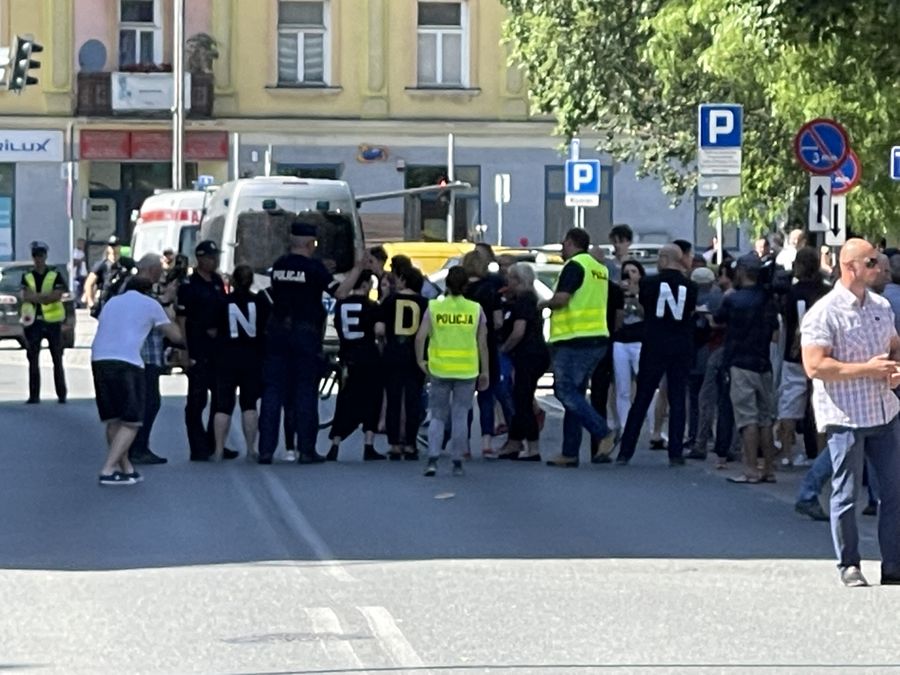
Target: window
(140, 33)
(7, 213)
(442, 44)
(326, 171)
(303, 46)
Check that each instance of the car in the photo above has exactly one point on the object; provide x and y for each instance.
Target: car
(11, 303)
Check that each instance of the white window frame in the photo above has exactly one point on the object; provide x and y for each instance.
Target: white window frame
(141, 27)
(300, 31)
(439, 32)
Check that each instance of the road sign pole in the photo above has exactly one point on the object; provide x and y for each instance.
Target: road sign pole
(720, 226)
(575, 153)
(451, 176)
(499, 223)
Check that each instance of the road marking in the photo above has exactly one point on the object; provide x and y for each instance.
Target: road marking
(303, 529)
(391, 637)
(256, 511)
(325, 621)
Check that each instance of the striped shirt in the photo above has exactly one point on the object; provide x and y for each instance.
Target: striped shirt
(855, 333)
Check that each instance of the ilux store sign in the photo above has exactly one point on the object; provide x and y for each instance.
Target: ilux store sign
(152, 145)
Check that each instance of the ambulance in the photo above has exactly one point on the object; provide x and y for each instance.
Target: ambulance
(169, 220)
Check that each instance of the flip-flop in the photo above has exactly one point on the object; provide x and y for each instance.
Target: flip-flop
(743, 480)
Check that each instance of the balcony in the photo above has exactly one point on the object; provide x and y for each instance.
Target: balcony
(141, 94)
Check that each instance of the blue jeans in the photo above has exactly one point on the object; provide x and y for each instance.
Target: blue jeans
(815, 478)
(849, 449)
(291, 371)
(572, 369)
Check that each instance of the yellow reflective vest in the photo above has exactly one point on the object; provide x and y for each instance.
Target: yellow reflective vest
(453, 344)
(52, 312)
(585, 315)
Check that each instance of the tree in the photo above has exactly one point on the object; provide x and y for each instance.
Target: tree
(635, 72)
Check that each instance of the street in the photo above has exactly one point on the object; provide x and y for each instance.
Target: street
(369, 567)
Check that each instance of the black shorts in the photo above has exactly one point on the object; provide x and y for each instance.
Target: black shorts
(244, 374)
(121, 390)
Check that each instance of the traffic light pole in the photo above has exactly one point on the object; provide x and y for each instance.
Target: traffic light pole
(178, 104)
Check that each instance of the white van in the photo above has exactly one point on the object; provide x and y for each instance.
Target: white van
(242, 217)
(169, 220)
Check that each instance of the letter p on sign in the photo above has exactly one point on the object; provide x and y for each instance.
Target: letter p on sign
(720, 122)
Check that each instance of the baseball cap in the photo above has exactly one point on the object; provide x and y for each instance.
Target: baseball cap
(749, 262)
(703, 275)
(305, 225)
(113, 241)
(39, 246)
(206, 247)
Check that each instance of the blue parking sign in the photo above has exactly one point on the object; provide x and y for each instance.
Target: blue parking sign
(721, 125)
(582, 182)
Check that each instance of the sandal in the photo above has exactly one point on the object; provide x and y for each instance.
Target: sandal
(744, 480)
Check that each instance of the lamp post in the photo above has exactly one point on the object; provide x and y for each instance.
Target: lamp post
(178, 90)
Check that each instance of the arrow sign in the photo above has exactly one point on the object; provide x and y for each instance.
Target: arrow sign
(836, 235)
(819, 203)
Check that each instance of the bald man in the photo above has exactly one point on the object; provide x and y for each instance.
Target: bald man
(850, 350)
(669, 299)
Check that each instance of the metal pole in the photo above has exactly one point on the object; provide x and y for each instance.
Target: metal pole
(720, 224)
(178, 88)
(267, 165)
(451, 176)
(236, 155)
(500, 222)
(575, 153)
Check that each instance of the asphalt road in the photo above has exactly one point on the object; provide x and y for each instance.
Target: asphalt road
(369, 567)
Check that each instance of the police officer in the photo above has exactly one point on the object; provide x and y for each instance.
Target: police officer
(579, 337)
(294, 338)
(669, 300)
(43, 314)
(359, 399)
(200, 299)
(102, 275)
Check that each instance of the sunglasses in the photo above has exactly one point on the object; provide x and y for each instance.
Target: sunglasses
(870, 263)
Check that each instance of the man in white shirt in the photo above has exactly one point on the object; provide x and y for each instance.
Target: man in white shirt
(118, 369)
(850, 350)
(786, 256)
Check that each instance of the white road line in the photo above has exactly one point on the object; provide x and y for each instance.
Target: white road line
(256, 512)
(391, 638)
(325, 620)
(303, 529)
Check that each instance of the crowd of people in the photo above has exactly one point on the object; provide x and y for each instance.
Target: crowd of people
(740, 357)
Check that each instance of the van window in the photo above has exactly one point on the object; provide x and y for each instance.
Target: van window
(290, 203)
(187, 241)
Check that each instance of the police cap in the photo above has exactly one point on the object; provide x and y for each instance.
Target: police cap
(306, 225)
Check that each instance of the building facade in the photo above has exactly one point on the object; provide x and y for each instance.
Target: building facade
(362, 90)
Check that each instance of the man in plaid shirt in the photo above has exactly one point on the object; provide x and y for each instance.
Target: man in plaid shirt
(850, 350)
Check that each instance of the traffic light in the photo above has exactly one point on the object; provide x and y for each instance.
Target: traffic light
(22, 63)
(443, 195)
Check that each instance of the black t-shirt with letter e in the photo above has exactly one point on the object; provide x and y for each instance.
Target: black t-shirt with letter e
(354, 321)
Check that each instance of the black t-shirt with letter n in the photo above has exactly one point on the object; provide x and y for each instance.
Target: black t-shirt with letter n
(241, 326)
(354, 321)
(669, 300)
(298, 283)
(401, 314)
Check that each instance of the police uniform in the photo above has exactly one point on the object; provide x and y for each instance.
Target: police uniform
(453, 363)
(401, 314)
(359, 399)
(199, 304)
(43, 320)
(579, 337)
(293, 361)
(669, 300)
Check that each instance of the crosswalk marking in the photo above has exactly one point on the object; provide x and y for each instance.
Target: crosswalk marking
(325, 621)
(391, 638)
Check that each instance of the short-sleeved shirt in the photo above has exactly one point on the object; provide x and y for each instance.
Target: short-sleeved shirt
(240, 326)
(354, 321)
(854, 332)
(124, 324)
(200, 303)
(751, 318)
(797, 302)
(105, 270)
(59, 284)
(298, 283)
(401, 314)
(669, 300)
(524, 308)
(571, 277)
(487, 294)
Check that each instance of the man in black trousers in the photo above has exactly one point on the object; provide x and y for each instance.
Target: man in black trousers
(669, 300)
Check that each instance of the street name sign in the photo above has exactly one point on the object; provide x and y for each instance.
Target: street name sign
(821, 146)
(836, 234)
(819, 203)
(719, 186)
(583, 182)
(719, 136)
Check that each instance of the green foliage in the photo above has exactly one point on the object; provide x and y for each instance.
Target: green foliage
(636, 71)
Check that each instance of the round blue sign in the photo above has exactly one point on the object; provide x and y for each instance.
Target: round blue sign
(821, 146)
(847, 175)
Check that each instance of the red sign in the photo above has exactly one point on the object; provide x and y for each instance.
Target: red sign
(105, 144)
(152, 145)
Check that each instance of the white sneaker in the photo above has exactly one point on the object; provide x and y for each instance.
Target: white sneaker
(291, 456)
